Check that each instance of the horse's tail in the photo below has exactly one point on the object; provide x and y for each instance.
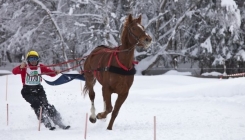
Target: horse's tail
(89, 84)
(85, 90)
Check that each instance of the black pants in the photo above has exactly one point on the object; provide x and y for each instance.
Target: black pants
(35, 95)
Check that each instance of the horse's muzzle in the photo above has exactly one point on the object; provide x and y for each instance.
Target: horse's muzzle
(145, 41)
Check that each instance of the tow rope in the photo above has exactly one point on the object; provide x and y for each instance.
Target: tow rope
(65, 78)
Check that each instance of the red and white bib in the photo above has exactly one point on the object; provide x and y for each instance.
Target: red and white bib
(33, 76)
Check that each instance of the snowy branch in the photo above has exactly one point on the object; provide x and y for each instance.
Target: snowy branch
(155, 19)
(56, 27)
(176, 26)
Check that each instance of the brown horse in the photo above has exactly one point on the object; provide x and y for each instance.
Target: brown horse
(114, 69)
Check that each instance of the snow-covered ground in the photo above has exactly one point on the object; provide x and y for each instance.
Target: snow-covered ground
(4, 72)
(186, 108)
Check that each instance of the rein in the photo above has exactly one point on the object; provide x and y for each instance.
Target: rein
(114, 53)
(62, 63)
(58, 64)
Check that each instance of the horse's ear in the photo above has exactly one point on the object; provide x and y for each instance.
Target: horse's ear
(139, 19)
(130, 18)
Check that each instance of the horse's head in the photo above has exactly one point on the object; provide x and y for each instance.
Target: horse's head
(136, 32)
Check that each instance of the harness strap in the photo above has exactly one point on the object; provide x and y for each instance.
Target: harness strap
(109, 62)
(120, 64)
(135, 62)
(108, 66)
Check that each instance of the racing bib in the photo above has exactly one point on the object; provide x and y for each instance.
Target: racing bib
(33, 76)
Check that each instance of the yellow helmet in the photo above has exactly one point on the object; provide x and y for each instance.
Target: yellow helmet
(32, 56)
(32, 53)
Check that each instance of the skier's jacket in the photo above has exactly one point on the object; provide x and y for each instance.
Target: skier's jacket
(22, 71)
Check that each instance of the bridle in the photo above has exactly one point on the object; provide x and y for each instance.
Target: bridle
(134, 36)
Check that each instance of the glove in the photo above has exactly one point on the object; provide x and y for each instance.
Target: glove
(22, 65)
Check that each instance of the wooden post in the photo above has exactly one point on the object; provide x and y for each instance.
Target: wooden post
(86, 124)
(154, 127)
(6, 87)
(40, 117)
(7, 114)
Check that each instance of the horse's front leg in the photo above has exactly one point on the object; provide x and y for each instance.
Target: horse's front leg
(107, 104)
(100, 117)
(120, 100)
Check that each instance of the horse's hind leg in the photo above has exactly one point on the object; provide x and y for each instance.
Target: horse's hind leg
(92, 117)
(90, 82)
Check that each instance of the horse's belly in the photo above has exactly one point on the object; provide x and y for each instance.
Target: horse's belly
(121, 84)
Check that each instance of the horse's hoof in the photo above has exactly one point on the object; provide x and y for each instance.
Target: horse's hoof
(92, 120)
(109, 128)
(98, 116)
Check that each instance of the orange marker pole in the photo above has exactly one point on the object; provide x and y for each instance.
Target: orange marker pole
(40, 117)
(154, 127)
(86, 124)
(7, 114)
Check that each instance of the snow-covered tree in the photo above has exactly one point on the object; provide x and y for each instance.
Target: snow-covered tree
(210, 32)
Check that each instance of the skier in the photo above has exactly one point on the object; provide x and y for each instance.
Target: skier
(33, 91)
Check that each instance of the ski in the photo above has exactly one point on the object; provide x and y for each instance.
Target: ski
(65, 127)
(52, 128)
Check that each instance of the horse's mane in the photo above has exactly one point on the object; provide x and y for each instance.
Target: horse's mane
(125, 30)
(107, 47)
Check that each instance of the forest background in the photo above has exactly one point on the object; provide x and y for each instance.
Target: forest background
(205, 34)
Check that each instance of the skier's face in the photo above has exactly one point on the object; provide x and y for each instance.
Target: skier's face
(34, 63)
(33, 60)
